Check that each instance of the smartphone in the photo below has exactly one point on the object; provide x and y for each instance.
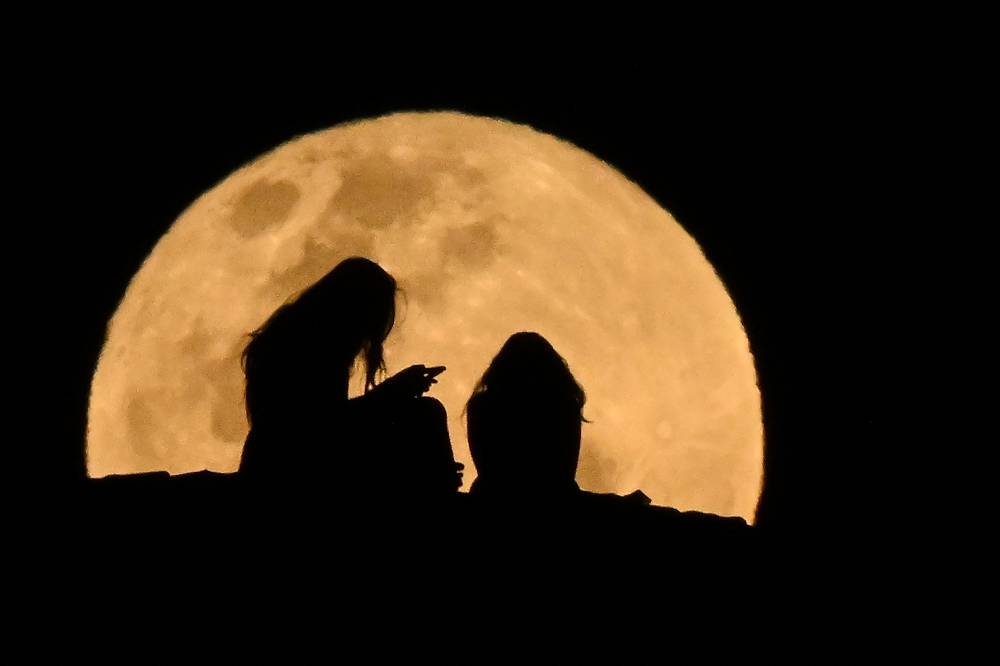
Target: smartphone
(434, 371)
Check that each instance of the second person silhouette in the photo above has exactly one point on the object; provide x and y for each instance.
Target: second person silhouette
(524, 423)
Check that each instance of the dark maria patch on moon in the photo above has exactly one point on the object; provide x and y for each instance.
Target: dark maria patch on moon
(596, 471)
(218, 381)
(377, 192)
(473, 246)
(347, 239)
(142, 426)
(263, 206)
(316, 261)
(227, 384)
(428, 288)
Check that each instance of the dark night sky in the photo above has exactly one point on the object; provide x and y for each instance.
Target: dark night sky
(801, 147)
(763, 159)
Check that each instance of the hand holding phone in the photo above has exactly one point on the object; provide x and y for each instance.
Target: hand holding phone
(415, 380)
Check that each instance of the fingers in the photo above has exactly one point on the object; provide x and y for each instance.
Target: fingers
(425, 371)
(428, 374)
(419, 378)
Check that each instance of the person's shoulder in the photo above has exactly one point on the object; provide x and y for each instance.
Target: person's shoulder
(638, 506)
(713, 519)
(619, 511)
(635, 499)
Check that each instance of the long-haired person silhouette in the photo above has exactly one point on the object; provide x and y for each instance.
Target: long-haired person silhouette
(306, 434)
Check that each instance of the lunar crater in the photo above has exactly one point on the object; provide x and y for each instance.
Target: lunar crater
(263, 206)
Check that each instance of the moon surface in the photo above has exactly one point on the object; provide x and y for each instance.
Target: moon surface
(490, 228)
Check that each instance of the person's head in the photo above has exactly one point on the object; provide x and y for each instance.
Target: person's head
(351, 310)
(524, 416)
(346, 313)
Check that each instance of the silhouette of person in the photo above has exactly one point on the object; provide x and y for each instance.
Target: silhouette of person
(524, 426)
(307, 436)
(524, 422)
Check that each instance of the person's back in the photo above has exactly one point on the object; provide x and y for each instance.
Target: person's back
(523, 420)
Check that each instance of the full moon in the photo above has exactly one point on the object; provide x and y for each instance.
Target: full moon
(490, 228)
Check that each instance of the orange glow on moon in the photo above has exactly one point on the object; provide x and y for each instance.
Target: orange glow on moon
(490, 228)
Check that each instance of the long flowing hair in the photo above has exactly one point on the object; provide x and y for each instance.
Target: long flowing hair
(347, 313)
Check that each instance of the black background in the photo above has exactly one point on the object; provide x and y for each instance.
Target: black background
(821, 157)
(767, 153)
